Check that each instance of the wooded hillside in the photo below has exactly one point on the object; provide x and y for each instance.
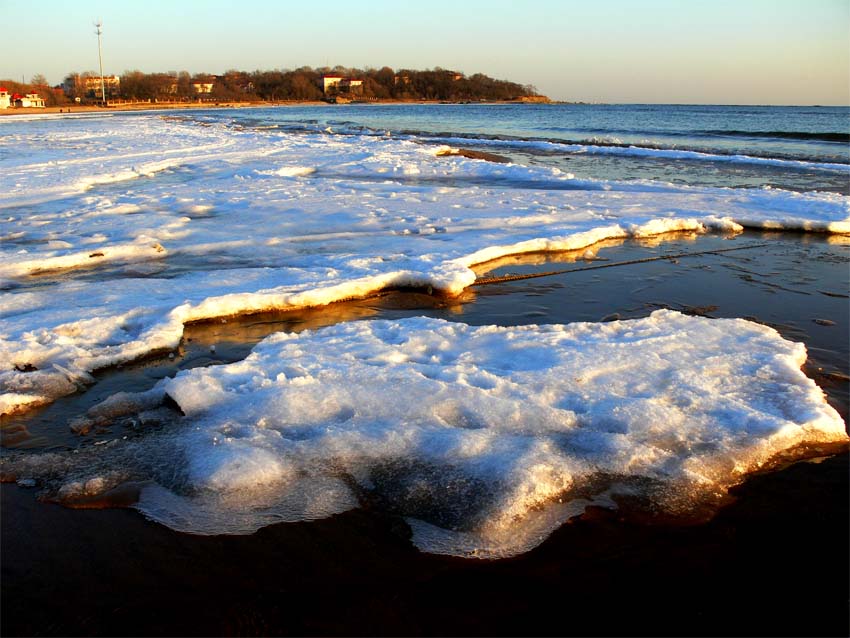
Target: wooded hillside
(306, 83)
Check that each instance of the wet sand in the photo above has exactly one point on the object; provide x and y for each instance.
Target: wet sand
(774, 563)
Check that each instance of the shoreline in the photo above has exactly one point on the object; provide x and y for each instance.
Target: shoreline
(780, 545)
(148, 106)
(165, 106)
(160, 106)
(773, 561)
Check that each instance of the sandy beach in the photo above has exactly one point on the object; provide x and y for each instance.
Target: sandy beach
(165, 106)
(148, 106)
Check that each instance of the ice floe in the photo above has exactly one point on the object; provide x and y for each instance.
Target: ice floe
(484, 438)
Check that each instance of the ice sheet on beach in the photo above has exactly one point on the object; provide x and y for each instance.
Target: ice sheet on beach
(115, 231)
(484, 438)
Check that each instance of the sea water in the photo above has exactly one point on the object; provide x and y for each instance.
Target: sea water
(711, 145)
(122, 231)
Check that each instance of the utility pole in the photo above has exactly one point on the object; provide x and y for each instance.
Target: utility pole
(98, 25)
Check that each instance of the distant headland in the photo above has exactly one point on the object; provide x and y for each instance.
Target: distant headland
(336, 85)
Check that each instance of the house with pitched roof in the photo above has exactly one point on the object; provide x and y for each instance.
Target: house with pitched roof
(16, 100)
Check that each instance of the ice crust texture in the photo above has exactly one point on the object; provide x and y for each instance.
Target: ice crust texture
(485, 438)
(117, 230)
(151, 221)
(478, 432)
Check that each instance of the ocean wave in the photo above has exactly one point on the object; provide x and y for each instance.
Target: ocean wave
(826, 136)
(607, 147)
(596, 145)
(789, 135)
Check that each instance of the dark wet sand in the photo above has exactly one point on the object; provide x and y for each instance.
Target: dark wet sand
(774, 563)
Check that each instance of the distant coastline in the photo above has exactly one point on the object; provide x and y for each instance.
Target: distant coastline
(153, 106)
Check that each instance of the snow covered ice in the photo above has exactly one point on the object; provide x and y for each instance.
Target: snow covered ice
(485, 439)
(117, 230)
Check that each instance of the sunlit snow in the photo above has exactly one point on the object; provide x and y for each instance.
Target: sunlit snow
(199, 220)
(485, 438)
(118, 230)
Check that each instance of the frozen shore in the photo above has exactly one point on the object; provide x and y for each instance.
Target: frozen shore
(119, 230)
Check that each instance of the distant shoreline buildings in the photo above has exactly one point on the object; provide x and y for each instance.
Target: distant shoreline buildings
(335, 85)
(16, 100)
(85, 85)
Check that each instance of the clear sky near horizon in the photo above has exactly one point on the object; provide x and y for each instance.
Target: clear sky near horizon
(639, 51)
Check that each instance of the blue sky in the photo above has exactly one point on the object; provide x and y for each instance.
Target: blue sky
(680, 51)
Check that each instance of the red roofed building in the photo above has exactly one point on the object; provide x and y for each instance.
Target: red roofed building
(28, 101)
(5, 98)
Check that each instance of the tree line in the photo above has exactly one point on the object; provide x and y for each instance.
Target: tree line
(304, 83)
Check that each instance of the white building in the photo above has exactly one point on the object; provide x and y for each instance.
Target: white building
(30, 101)
(339, 84)
(77, 85)
(329, 81)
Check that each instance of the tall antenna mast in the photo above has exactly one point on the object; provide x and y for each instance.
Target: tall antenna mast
(98, 26)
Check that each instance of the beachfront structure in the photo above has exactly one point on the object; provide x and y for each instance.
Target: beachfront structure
(88, 85)
(200, 86)
(203, 87)
(111, 84)
(28, 101)
(332, 84)
(32, 100)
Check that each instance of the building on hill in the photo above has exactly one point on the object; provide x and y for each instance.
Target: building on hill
(111, 83)
(86, 85)
(336, 85)
(329, 82)
(203, 87)
(5, 98)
